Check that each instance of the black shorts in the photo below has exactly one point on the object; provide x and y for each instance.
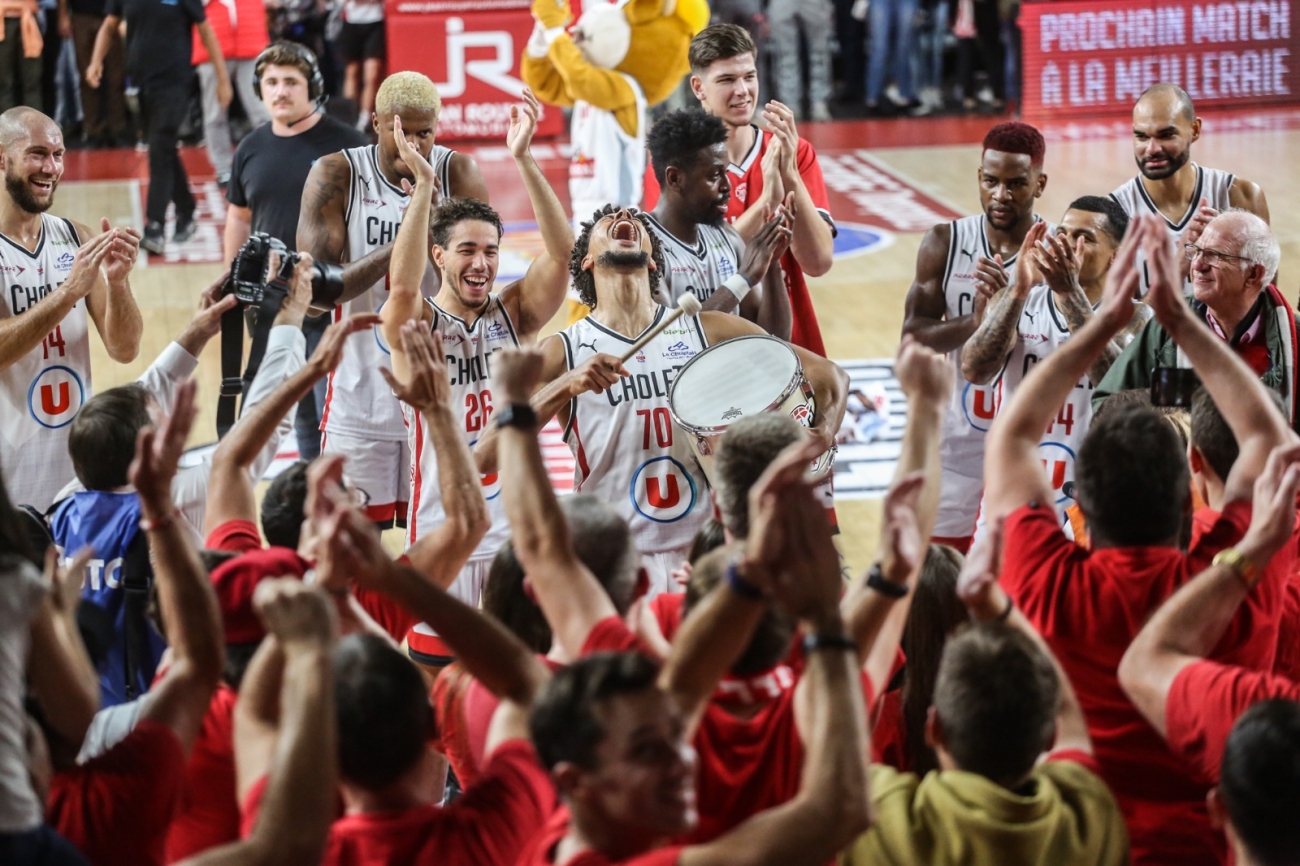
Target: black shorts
(359, 42)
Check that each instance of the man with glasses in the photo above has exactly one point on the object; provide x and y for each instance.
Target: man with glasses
(1232, 266)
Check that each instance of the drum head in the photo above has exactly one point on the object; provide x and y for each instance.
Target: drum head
(743, 376)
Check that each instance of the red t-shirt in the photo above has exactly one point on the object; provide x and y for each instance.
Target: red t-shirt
(668, 609)
(464, 707)
(1089, 605)
(541, 849)
(239, 536)
(746, 189)
(1287, 663)
(1203, 704)
(209, 808)
(888, 732)
(746, 764)
(489, 824)
(116, 808)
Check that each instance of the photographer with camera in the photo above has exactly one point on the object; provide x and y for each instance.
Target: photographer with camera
(268, 174)
(351, 208)
(1233, 266)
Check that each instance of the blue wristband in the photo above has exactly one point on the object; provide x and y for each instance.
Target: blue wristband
(742, 587)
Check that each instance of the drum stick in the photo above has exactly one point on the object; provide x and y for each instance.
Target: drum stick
(687, 303)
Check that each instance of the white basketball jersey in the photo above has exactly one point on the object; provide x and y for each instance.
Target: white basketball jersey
(42, 391)
(608, 165)
(626, 447)
(699, 269)
(468, 349)
(1212, 185)
(358, 401)
(1042, 329)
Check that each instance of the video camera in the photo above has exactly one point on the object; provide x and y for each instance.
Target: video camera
(261, 293)
(249, 278)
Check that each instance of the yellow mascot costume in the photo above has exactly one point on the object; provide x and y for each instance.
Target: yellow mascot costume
(619, 59)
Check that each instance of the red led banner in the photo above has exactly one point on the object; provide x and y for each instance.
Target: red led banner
(1095, 57)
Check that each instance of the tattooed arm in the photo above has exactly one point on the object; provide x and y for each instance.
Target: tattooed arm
(323, 233)
(987, 349)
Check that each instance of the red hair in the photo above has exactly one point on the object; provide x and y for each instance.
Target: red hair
(1017, 137)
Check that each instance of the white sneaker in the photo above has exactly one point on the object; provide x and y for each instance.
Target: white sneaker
(821, 112)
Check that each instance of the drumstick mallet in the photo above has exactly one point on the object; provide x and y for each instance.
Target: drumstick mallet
(687, 304)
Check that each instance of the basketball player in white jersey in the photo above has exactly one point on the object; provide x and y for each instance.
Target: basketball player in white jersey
(1185, 195)
(960, 267)
(703, 254)
(472, 320)
(352, 204)
(616, 418)
(57, 278)
(1059, 283)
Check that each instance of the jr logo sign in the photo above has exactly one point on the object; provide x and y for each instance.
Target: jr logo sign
(472, 51)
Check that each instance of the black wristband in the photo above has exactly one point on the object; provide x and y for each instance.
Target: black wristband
(876, 580)
(1006, 613)
(838, 641)
(520, 415)
(742, 587)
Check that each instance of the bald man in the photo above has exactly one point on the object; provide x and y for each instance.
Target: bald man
(1185, 195)
(57, 277)
(352, 205)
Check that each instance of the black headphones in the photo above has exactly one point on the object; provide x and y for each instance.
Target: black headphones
(315, 81)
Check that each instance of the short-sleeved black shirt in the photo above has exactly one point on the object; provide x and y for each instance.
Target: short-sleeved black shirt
(269, 172)
(158, 39)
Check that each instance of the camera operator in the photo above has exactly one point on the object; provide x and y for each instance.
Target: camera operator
(268, 174)
(351, 208)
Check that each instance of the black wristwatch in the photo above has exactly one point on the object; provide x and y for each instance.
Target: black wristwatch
(876, 580)
(519, 415)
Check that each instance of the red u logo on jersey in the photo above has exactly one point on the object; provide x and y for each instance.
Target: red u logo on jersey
(657, 498)
(53, 405)
(662, 490)
(55, 397)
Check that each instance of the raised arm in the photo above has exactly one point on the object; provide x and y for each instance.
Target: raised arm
(1013, 472)
(298, 806)
(1236, 390)
(978, 587)
(111, 304)
(483, 646)
(986, 351)
(876, 619)
(441, 553)
(791, 537)
(22, 332)
(59, 671)
(569, 595)
(410, 253)
(323, 232)
(925, 311)
(230, 486)
(533, 300)
(1189, 625)
(186, 598)
(813, 242)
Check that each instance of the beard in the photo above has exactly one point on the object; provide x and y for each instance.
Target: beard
(21, 192)
(1172, 166)
(620, 259)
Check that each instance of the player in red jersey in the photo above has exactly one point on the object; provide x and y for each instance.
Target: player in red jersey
(764, 165)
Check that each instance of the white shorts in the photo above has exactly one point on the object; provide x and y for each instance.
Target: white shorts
(422, 643)
(959, 505)
(659, 565)
(379, 468)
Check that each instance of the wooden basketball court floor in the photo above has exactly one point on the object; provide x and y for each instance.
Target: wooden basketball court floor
(888, 181)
